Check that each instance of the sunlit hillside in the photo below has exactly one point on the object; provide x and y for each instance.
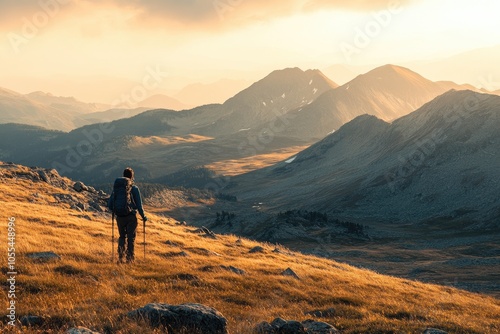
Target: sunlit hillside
(181, 265)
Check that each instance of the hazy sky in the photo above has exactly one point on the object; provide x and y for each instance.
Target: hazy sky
(63, 41)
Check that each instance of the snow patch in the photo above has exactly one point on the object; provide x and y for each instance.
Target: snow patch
(310, 82)
(347, 88)
(329, 133)
(264, 103)
(315, 90)
(289, 161)
(240, 130)
(284, 95)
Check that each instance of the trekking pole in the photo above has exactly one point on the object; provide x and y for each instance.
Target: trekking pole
(144, 228)
(113, 237)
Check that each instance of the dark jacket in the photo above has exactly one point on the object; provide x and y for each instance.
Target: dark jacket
(136, 201)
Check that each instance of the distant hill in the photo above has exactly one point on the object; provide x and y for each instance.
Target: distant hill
(18, 108)
(158, 101)
(440, 161)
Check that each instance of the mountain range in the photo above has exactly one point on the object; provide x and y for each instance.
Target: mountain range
(440, 161)
(288, 108)
(67, 113)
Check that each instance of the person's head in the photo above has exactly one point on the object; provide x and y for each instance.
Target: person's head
(129, 173)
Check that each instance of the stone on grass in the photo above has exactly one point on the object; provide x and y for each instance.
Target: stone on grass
(434, 331)
(319, 327)
(281, 326)
(31, 320)
(79, 186)
(290, 272)
(44, 256)
(80, 330)
(257, 249)
(321, 313)
(184, 318)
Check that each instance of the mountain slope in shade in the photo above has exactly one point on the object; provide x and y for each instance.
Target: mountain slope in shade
(270, 98)
(387, 92)
(441, 161)
(162, 101)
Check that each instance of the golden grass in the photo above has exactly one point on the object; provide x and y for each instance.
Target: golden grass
(85, 288)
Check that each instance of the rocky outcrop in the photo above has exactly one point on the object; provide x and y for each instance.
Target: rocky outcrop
(281, 326)
(80, 330)
(433, 331)
(184, 318)
(77, 195)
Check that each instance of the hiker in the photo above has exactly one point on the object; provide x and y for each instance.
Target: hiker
(125, 202)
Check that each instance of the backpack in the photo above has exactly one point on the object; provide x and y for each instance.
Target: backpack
(122, 205)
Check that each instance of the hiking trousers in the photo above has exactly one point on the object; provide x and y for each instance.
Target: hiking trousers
(127, 227)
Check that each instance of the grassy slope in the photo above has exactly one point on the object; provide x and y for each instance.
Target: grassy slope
(84, 288)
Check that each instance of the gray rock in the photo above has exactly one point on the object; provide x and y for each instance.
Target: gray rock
(321, 313)
(292, 327)
(318, 327)
(290, 272)
(434, 331)
(79, 186)
(193, 318)
(81, 206)
(43, 176)
(278, 322)
(32, 320)
(43, 256)
(264, 328)
(96, 206)
(176, 254)
(281, 326)
(257, 249)
(234, 270)
(80, 330)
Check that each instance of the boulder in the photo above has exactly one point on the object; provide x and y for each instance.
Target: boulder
(234, 270)
(43, 176)
(32, 320)
(434, 331)
(292, 327)
(80, 330)
(281, 326)
(43, 256)
(190, 318)
(290, 272)
(79, 186)
(321, 313)
(318, 327)
(257, 249)
(264, 328)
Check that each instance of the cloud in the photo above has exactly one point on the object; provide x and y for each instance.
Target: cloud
(223, 12)
(191, 14)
